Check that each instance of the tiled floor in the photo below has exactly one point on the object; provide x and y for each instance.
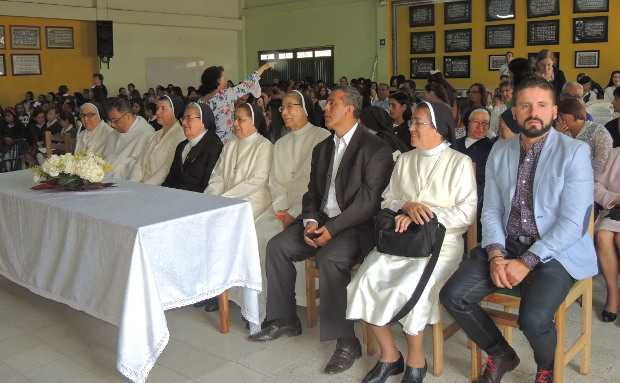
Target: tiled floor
(42, 341)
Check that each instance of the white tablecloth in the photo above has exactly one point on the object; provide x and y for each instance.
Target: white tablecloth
(127, 254)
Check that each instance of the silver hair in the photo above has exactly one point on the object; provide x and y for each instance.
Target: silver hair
(572, 83)
(481, 110)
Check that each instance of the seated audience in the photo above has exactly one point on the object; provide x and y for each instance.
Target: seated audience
(383, 94)
(476, 94)
(195, 157)
(431, 180)
(400, 111)
(96, 132)
(154, 163)
(52, 124)
(348, 173)
(98, 90)
(572, 89)
(67, 123)
(589, 92)
(613, 126)
(614, 82)
(572, 114)
(508, 126)
(534, 235)
(607, 194)
(125, 145)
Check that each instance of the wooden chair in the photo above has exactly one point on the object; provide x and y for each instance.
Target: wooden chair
(507, 320)
(59, 143)
(440, 334)
(224, 312)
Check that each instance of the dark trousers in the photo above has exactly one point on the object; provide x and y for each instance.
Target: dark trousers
(334, 260)
(542, 292)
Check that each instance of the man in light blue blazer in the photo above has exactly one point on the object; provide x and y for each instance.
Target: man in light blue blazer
(538, 197)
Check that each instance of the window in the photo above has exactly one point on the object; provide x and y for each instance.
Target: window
(304, 55)
(268, 56)
(323, 53)
(285, 56)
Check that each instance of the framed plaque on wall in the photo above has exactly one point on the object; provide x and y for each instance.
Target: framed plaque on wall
(496, 61)
(59, 37)
(500, 10)
(500, 36)
(25, 37)
(545, 32)
(542, 8)
(2, 66)
(422, 42)
(457, 12)
(456, 66)
(2, 38)
(583, 6)
(590, 29)
(587, 59)
(422, 16)
(26, 64)
(421, 67)
(457, 40)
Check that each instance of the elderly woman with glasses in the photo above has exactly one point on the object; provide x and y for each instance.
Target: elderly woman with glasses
(95, 132)
(431, 180)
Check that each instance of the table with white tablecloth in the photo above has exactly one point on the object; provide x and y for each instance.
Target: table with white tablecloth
(128, 253)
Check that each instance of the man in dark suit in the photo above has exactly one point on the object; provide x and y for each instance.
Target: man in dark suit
(349, 171)
(477, 146)
(195, 157)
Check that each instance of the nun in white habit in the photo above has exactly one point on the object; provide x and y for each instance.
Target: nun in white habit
(95, 133)
(288, 181)
(155, 161)
(432, 179)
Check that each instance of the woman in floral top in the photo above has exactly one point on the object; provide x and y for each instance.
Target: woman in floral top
(222, 99)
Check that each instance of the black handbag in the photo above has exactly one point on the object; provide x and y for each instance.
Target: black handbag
(614, 214)
(419, 241)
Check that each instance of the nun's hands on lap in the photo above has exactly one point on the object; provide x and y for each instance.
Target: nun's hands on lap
(419, 213)
(402, 223)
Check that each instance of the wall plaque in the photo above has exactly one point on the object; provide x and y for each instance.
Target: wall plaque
(583, 6)
(590, 29)
(422, 16)
(457, 12)
(543, 8)
(500, 9)
(25, 37)
(496, 61)
(545, 32)
(457, 40)
(587, 59)
(422, 42)
(24, 65)
(421, 67)
(456, 66)
(2, 66)
(2, 38)
(59, 37)
(500, 36)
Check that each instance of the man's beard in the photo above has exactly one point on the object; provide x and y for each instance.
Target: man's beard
(533, 133)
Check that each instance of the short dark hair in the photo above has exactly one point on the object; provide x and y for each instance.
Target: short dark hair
(99, 76)
(403, 99)
(352, 97)
(210, 79)
(573, 107)
(119, 103)
(535, 82)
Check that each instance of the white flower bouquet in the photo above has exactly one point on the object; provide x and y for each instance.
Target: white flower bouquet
(81, 171)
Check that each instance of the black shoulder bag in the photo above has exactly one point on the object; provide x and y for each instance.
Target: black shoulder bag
(419, 241)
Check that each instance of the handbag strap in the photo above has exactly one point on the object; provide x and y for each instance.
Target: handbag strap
(426, 275)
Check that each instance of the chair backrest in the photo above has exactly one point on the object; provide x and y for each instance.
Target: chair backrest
(58, 143)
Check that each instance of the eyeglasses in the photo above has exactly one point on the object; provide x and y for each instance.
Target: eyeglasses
(415, 122)
(287, 107)
(115, 120)
(88, 115)
(187, 118)
(484, 124)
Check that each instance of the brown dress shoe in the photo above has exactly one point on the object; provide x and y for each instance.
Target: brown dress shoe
(497, 366)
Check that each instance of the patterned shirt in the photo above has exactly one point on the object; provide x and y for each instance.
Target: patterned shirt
(521, 221)
(600, 142)
(223, 104)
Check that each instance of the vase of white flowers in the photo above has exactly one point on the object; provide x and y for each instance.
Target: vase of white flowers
(81, 171)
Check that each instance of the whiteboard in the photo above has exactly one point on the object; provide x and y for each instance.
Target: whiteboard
(180, 71)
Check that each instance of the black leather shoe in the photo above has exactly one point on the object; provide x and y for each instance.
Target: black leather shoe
(607, 316)
(276, 328)
(211, 305)
(347, 350)
(414, 375)
(381, 371)
(497, 366)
